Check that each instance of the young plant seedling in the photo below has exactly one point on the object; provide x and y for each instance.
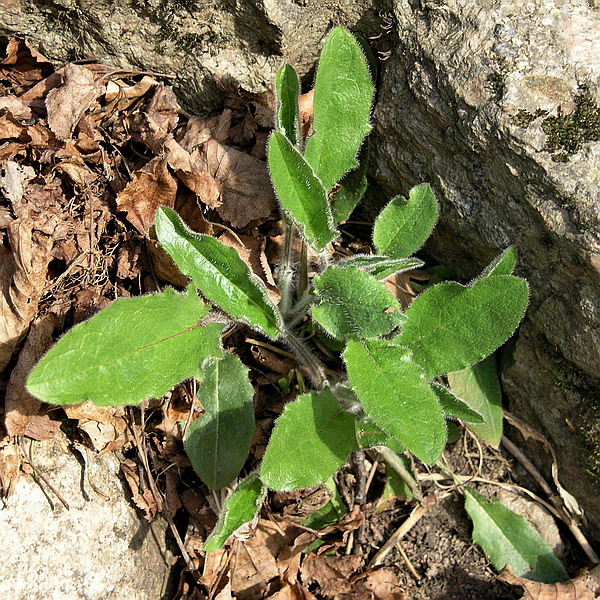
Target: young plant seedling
(390, 394)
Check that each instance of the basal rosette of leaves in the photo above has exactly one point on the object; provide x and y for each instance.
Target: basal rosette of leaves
(391, 394)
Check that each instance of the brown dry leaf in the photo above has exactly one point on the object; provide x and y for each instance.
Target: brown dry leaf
(305, 105)
(257, 560)
(252, 250)
(333, 574)
(382, 584)
(164, 267)
(140, 494)
(125, 95)
(215, 565)
(10, 128)
(24, 413)
(270, 361)
(10, 466)
(23, 65)
(67, 103)
(199, 130)
(163, 109)
(586, 586)
(152, 186)
(292, 592)
(104, 426)
(247, 194)
(14, 180)
(17, 108)
(23, 268)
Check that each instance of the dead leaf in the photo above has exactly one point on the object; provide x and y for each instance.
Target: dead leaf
(383, 584)
(586, 586)
(305, 105)
(10, 466)
(152, 186)
(247, 194)
(17, 108)
(23, 268)
(67, 104)
(163, 109)
(125, 95)
(199, 130)
(333, 574)
(141, 494)
(10, 128)
(14, 180)
(24, 413)
(292, 592)
(103, 426)
(164, 267)
(24, 66)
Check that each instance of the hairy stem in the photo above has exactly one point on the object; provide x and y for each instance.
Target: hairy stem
(306, 358)
(286, 278)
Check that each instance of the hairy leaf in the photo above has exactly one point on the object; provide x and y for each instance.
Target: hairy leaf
(478, 386)
(454, 407)
(136, 348)
(342, 107)
(396, 396)
(300, 193)
(450, 326)
(288, 91)
(240, 508)
(352, 188)
(218, 272)
(353, 303)
(504, 264)
(310, 442)
(379, 266)
(218, 442)
(368, 435)
(507, 539)
(403, 226)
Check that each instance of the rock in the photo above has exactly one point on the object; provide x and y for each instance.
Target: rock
(100, 549)
(493, 102)
(496, 104)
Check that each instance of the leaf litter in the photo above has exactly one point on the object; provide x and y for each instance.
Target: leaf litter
(88, 153)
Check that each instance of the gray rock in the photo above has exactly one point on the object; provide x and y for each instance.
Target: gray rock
(494, 102)
(100, 549)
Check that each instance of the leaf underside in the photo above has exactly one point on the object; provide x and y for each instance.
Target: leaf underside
(136, 348)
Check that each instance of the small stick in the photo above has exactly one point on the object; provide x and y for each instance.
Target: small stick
(414, 517)
(410, 566)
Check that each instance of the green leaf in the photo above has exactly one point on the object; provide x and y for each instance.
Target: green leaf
(355, 303)
(329, 514)
(369, 435)
(218, 442)
(288, 90)
(136, 348)
(455, 407)
(342, 107)
(301, 195)
(218, 272)
(395, 486)
(450, 326)
(241, 507)
(310, 442)
(507, 539)
(352, 188)
(504, 264)
(396, 396)
(478, 386)
(403, 226)
(379, 266)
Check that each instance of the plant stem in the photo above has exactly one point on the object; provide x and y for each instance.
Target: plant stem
(306, 358)
(394, 461)
(286, 278)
